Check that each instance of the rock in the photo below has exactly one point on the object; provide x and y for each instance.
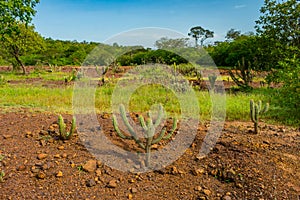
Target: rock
(42, 156)
(198, 188)
(133, 190)
(56, 156)
(41, 175)
(61, 148)
(90, 166)
(45, 167)
(129, 196)
(112, 184)
(43, 143)
(34, 169)
(98, 172)
(21, 168)
(7, 136)
(64, 155)
(197, 172)
(90, 183)
(207, 192)
(28, 134)
(99, 163)
(59, 174)
(43, 132)
(226, 197)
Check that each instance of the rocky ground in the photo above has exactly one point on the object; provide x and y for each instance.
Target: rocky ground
(36, 164)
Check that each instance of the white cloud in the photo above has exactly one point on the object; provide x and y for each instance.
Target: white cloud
(239, 6)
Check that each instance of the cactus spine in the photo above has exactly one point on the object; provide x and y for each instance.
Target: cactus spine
(62, 128)
(255, 111)
(149, 128)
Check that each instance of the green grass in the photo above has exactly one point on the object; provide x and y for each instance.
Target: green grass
(59, 100)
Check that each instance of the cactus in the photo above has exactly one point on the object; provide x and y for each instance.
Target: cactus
(64, 135)
(149, 128)
(243, 74)
(212, 80)
(255, 111)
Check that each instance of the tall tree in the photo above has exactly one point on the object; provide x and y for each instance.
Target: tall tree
(20, 43)
(280, 21)
(232, 34)
(13, 15)
(201, 34)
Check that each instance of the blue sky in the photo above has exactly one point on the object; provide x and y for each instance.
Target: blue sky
(98, 20)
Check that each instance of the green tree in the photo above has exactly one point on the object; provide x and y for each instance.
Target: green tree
(280, 22)
(15, 15)
(167, 43)
(232, 34)
(20, 43)
(201, 34)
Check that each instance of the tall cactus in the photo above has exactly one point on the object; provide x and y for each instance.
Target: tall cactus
(255, 111)
(62, 128)
(149, 128)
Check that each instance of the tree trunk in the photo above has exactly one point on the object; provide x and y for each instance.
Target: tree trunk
(20, 63)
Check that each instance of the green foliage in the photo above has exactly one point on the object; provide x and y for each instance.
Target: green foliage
(64, 134)
(18, 44)
(243, 75)
(17, 38)
(149, 129)
(256, 110)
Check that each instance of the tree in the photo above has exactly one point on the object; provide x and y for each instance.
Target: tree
(201, 34)
(21, 42)
(232, 34)
(167, 43)
(15, 16)
(280, 22)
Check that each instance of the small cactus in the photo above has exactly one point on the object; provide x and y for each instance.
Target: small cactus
(255, 111)
(149, 128)
(62, 128)
(212, 80)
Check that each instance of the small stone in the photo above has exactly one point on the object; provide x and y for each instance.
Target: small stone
(197, 172)
(155, 146)
(90, 183)
(98, 172)
(28, 134)
(61, 148)
(99, 163)
(207, 192)
(7, 136)
(56, 156)
(133, 190)
(41, 175)
(112, 184)
(43, 132)
(21, 168)
(238, 185)
(64, 155)
(34, 169)
(45, 167)
(198, 188)
(129, 196)
(59, 174)
(226, 197)
(42, 143)
(42, 156)
(90, 166)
